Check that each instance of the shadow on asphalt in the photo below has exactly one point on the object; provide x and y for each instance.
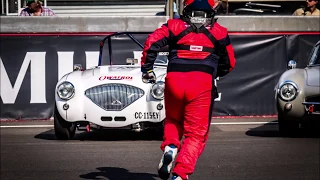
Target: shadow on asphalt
(115, 173)
(271, 130)
(105, 135)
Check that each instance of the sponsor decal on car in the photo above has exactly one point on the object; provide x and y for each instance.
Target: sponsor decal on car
(101, 78)
(146, 115)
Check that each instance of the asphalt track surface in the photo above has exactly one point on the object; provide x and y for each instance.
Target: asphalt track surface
(249, 150)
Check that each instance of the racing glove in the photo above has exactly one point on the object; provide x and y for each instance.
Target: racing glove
(223, 69)
(149, 77)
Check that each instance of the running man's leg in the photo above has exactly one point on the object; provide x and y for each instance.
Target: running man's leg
(197, 122)
(173, 124)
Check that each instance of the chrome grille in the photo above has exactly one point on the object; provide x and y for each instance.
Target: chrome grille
(114, 97)
(313, 98)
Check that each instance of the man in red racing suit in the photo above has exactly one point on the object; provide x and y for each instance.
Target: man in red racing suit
(197, 55)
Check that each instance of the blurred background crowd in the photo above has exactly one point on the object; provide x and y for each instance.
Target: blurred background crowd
(153, 7)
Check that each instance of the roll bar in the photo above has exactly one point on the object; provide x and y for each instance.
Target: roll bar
(129, 34)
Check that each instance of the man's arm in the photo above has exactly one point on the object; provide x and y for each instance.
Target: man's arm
(51, 13)
(227, 59)
(298, 12)
(23, 12)
(155, 41)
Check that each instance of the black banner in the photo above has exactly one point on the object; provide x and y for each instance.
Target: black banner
(31, 66)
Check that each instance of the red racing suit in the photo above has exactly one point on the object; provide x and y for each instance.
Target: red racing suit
(195, 60)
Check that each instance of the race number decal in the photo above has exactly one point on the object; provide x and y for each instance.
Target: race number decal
(146, 115)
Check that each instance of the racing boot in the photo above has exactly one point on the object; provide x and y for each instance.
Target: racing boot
(176, 178)
(165, 165)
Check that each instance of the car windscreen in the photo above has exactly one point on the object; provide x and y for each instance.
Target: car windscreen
(162, 58)
(315, 56)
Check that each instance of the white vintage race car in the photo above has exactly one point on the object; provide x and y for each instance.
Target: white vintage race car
(110, 96)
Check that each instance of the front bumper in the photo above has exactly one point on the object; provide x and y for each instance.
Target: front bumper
(298, 108)
(312, 105)
(142, 110)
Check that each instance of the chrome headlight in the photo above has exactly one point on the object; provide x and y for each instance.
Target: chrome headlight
(288, 91)
(157, 90)
(65, 90)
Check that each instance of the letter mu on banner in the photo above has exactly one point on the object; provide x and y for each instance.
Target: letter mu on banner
(37, 63)
(9, 92)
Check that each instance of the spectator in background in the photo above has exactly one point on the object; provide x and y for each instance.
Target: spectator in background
(309, 10)
(175, 8)
(221, 7)
(35, 8)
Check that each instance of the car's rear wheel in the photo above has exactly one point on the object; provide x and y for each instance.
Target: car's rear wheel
(63, 129)
(287, 127)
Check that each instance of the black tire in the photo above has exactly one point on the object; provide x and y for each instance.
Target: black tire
(287, 127)
(63, 130)
(159, 131)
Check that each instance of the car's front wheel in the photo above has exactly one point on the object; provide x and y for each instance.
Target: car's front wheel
(63, 129)
(160, 131)
(287, 127)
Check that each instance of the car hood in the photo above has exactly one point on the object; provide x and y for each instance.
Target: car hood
(313, 76)
(117, 71)
(122, 74)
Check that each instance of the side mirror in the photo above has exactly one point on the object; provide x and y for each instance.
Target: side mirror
(77, 67)
(292, 64)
